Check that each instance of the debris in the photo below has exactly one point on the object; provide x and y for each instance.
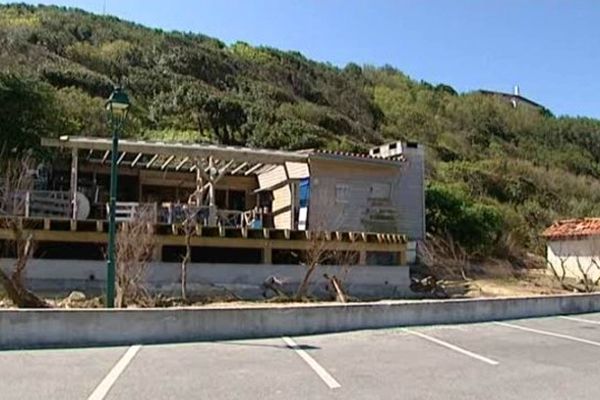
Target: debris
(76, 296)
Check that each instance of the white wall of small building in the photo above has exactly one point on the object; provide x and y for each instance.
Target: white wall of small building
(572, 253)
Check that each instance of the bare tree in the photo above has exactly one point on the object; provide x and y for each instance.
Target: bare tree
(189, 227)
(445, 258)
(442, 259)
(315, 255)
(345, 259)
(560, 273)
(588, 281)
(576, 268)
(134, 250)
(16, 181)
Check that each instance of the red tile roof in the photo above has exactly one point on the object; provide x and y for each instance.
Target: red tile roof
(573, 228)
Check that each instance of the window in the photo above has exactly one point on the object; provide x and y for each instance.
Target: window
(380, 191)
(342, 193)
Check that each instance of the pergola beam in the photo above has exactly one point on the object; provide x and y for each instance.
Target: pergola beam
(239, 168)
(106, 154)
(253, 168)
(149, 163)
(181, 163)
(136, 159)
(167, 162)
(239, 154)
(121, 157)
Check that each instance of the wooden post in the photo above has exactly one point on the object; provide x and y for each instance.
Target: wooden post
(212, 208)
(27, 203)
(292, 204)
(199, 187)
(140, 191)
(73, 191)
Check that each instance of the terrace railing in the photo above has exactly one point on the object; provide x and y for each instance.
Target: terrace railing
(126, 211)
(58, 204)
(38, 203)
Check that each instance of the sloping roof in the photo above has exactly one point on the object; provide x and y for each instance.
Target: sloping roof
(359, 156)
(510, 96)
(192, 150)
(571, 228)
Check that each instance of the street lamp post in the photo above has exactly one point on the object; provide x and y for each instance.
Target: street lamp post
(117, 106)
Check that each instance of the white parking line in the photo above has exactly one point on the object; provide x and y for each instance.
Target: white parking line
(587, 321)
(109, 380)
(323, 374)
(548, 333)
(452, 347)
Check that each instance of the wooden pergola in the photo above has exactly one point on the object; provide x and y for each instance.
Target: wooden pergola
(209, 162)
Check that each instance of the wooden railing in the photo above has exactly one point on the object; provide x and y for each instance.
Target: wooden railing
(126, 211)
(230, 218)
(48, 204)
(39, 203)
(58, 204)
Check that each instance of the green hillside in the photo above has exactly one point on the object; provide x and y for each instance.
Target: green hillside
(497, 175)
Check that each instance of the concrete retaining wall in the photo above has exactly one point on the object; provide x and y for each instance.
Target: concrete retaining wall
(59, 277)
(52, 328)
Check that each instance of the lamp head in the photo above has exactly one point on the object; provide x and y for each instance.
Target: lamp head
(118, 103)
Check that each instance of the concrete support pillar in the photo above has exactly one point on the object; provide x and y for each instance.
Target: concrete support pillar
(157, 253)
(362, 257)
(267, 255)
(402, 257)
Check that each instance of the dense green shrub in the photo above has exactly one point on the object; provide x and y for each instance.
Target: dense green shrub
(475, 226)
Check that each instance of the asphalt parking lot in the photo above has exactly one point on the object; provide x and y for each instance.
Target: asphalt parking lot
(544, 358)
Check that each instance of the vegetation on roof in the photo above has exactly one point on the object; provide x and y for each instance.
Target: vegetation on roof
(497, 175)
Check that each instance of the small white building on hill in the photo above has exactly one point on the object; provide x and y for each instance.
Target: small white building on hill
(573, 246)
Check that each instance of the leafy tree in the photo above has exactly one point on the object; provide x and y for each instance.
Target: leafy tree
(28, 112)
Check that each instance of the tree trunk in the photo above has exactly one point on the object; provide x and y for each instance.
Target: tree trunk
(184, 264)
(304, 285)
(188, 227)
(19, 295)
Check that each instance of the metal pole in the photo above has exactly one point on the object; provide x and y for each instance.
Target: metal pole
(110, 278)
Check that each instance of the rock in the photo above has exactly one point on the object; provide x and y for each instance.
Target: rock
(76, 296)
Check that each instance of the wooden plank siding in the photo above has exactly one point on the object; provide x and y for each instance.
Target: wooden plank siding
(341, 197)
(410, 194)
(297, 170)
(282, 203)
(272, 177)
(282, 196)
(348, 196)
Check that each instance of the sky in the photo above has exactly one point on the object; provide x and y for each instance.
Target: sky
(549, 48)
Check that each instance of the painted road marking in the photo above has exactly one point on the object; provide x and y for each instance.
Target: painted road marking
(588, 321)
(109, 380)
(323, 374)
(548, 333)
(452, 347)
